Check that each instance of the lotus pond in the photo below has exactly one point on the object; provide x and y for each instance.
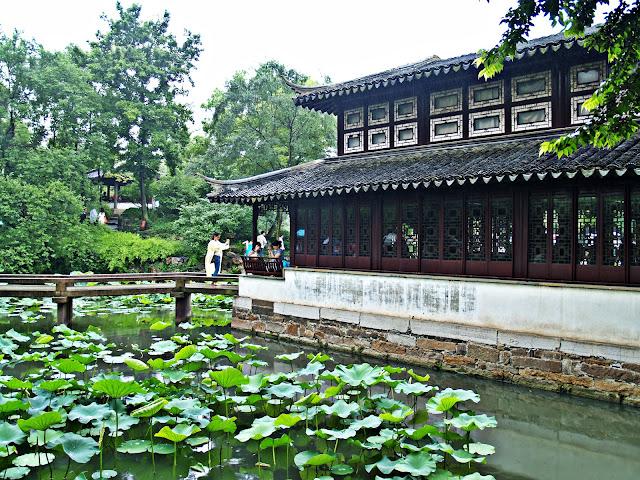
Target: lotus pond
(127, 394)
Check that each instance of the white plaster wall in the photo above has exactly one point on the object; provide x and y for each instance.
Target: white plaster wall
(602, 315)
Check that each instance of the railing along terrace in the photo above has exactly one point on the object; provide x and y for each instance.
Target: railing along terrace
(64, 288)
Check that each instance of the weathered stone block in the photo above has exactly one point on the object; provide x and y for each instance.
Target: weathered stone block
(398, 339)
(454, 331)
(344, 316)
(292, 329)
(505, 357)
(461, 348)
(384, 322)
(431, 344)
(519, 352)
(482, 352)
(619, 374)
(241, 324)
(294, 310)
(622, 354)
(547, 355)
(458, 360)
(262, 307)
(274, 327)
(388, 347)
(537, 364)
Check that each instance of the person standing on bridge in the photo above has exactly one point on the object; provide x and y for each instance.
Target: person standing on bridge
(213, 260)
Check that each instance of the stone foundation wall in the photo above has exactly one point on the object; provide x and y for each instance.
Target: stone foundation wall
(533, 361)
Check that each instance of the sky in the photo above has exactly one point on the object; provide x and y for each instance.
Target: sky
(342, 39)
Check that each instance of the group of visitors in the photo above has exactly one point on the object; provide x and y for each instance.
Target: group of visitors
(216, 248)
(94, 216)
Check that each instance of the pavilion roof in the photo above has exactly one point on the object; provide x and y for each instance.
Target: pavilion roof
(318, 96)
(504, 159)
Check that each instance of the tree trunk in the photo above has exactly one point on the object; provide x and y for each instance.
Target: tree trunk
(143, 198)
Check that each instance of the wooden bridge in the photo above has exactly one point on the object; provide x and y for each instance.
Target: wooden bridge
(64, 288)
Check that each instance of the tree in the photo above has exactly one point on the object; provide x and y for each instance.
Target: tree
(140, 70)
(616, 103)
(255, 126)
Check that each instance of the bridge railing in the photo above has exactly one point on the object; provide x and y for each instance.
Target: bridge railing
(64, 288)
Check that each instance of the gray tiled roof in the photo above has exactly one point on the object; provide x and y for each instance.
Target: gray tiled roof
(503, 159)
(432, 65)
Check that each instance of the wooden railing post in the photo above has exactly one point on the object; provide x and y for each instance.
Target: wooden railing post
(64, 303)
(183, 301)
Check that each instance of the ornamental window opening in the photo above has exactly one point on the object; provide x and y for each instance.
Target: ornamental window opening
(561, 228)
(410, 214)
(476, 229)
(452, 248)
(325, 235)
(353, 142)
(634, 225)
(351, 245)
(446, 128)
(486, 123)
(405, 109)
(587, 229)
(613, 231)
(528, 87)
(587, 76)
(378, 138)
(531, 117)
(301, 223)
(430, 245)
(579, 114)
(379, 114)
(446, 101)
(406, 134)
(353, 118)
(336, 232)
(389, 229)
(486, 94)
(501, 229)
(364, 231)
(312, 228)
(538, 228)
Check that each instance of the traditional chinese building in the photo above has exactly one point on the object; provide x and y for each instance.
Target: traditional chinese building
(438, 221)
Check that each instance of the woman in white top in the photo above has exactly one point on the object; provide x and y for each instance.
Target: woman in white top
(213, 260)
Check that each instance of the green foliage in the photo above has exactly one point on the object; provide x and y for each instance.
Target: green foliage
(615, 105)
(176, 191)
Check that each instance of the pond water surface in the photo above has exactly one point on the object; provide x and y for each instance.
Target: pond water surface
(540, 435)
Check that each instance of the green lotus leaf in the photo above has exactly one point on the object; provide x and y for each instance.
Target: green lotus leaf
(422, 432)
(149, 409)
(87, 413)
(54, 385)
(44, 339)
(418, 377)
(338, 434)
(8, 405)
(160, 364)
(301, 458)
(33, 459)
(84, 359)
(7, 346)
(14, 473)
(254, 383)
(18, 337)
(415, 388)
(260, 428)
(125, 422)
(10, 433)
(177, 433)
(105, 474)
(448, 398)
(287, 420)
(462, 456)
(359, 375)
(285, 390)
(341, 469)
(276, 442)
(289, 357)
(371, 421)
(175, 376)
(7, 450)
(233, 357)
(40, 422)
(467, 422)
(318, 357)
(115, 388)
(80, 449)
(69, 366)
(159, 325)
(481, 449)
(221, 423)
(417, 464)
(229, 377)
(178, 405)
(341, 408)
(312, 368)
(185, 352)
(17, 384)
(135, 364)
(162, 347)
(196, 441)
(477, 476)
(396, 416)
(42, 437)
(135, 446)
(163, 448)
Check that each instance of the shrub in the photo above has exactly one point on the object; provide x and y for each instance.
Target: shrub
(176, 192)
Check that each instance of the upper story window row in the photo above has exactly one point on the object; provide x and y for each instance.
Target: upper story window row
(484, 109)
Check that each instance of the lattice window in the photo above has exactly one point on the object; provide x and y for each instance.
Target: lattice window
(389, 230)
(561, 239)
(635, 228)
(364, 231)
(431, 228)
(301, 229)
(587, 229)
(538, 228)
(613, 233)
(476, 229)
(336, 233)
(325, 238)
(351, 237)
(502, 229)
(453, 229)
(409, 230)
(312, 228)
